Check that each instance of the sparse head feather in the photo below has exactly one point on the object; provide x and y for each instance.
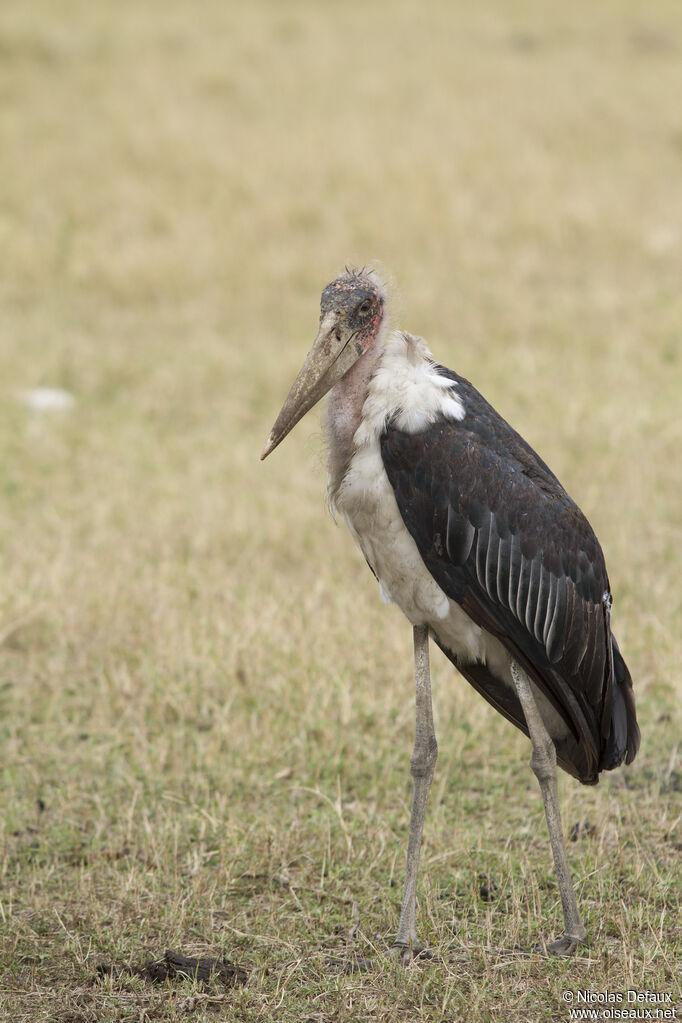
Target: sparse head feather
(358, 296)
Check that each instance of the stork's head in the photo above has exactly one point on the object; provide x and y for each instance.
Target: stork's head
(351, 313)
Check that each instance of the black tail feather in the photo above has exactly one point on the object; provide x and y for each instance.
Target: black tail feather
(622, 741)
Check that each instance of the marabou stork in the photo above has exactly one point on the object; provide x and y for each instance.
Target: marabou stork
(473, 537)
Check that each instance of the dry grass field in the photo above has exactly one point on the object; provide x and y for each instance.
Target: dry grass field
(206, 712)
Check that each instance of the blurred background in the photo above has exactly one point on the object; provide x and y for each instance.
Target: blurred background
(184, 634)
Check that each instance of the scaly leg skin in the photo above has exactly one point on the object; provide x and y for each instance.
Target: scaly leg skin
(422, 763)
(543, 763)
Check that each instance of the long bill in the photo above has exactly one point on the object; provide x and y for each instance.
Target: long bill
(333, 353)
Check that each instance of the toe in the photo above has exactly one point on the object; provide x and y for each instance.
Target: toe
(565, 946)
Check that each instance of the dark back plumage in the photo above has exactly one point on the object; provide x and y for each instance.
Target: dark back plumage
(502, 538)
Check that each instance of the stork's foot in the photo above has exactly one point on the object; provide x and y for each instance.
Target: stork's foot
(567, 945)
(402, 954)
(405, 954)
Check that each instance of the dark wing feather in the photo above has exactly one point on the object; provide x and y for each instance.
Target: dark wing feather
(502, 538)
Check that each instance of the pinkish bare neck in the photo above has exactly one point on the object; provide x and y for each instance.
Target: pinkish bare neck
(344, 412)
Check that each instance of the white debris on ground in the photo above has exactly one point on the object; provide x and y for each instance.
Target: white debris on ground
(47, 399)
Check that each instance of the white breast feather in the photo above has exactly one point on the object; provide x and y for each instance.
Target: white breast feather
(406, 385)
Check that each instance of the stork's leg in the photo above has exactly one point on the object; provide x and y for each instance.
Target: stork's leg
(543, 763)
(422, 763)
